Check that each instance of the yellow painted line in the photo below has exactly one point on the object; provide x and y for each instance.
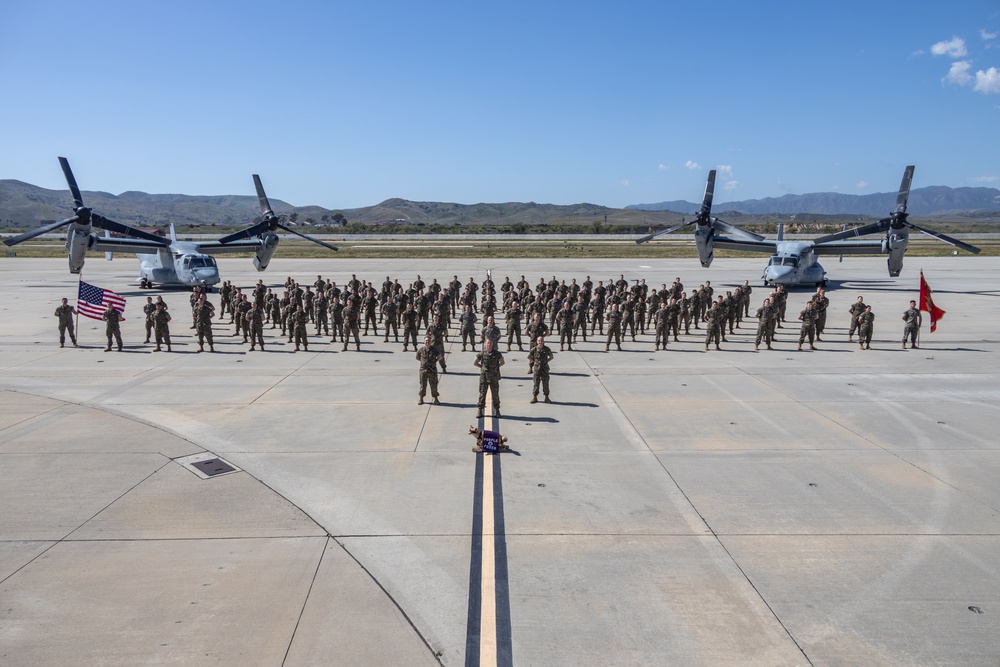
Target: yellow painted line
(488, 598)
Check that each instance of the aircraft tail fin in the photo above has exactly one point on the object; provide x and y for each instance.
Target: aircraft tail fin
(108, 255)
(781, 231)
(173, 233)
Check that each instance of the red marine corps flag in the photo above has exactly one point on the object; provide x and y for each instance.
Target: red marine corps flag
(927, 303)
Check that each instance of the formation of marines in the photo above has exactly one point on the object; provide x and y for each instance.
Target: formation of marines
(614, 310)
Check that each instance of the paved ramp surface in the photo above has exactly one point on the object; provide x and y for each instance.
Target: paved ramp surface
(682, 507)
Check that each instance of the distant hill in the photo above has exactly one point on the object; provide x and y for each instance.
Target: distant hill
(24, 205)
(930, 201)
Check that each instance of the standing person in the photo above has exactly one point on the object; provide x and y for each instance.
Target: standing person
(856, 310)
(491, 331)
(255, 325)
(714, 321)
(764, 330)
(513, 319)
(337, 318)
(66, 313)
(204, 312)
(467, 323)
(539, 358)
(113, 329)
(747, 290)
(614, 328)
(352, 325)
(161, 328)
(808, 318)
(911, 329)
(428, 358)
(411, 320)
(299, 320)
(489, 362)
(147, 311)
(866, 327)
(821, 303)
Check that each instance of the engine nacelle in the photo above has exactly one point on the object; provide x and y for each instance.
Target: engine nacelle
(268, 246)
(704, 237)
(895, 247)
(77, 244)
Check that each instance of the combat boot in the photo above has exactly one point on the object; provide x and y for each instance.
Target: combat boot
(496, 411)
(437, 401)
(800, 346)
(420, 401)
(157, 349)
(812, 347)
(717, 347)
(547, 399)
(534, 399)
(479, 414)
(211, 348)
(756, 348)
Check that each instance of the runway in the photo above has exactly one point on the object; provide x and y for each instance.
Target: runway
(838, 506)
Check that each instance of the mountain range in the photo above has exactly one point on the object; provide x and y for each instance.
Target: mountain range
(928, 201)
(23, 205)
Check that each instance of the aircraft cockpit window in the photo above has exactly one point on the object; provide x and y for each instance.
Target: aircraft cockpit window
(775, 261)
(187, 262)
(791, 261)
(201, 262)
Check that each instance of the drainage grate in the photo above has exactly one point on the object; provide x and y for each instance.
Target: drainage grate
(207, 465)
(213, 467)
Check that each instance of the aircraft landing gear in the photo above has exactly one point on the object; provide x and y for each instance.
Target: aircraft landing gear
(145, 284)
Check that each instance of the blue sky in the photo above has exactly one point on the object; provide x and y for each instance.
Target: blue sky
(347, 104)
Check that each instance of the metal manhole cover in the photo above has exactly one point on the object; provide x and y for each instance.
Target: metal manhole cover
(207, 465)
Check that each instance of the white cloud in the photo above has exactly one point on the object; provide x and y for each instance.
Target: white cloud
(626, 182)
(863, 185)
(663, 167)
(987, 36)
(731, 185)
(988, 82)
(959, 73)
(726, 170)
(918, 52)
(986, 179)
(953, 48)
(692, 165)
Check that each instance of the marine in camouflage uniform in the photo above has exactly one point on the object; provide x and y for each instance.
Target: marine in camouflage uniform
(820, 305)
(764, 325)
(299, 320)
(661, 327)
(161, 328)
(614, 318)
(489, 362)
(866, 327)
(113, 328)
(565, 319)
(204, 312)
(438, 332)
(491, 331)
(714, 320)
(428, 358)
(539, 358)
(513, 319)
(411, 320)
(337, 319)
(911, 329)
(240, 310)
(254, 323)
(856, 309)
(352, 325)
(147, 310)
(65, 313)
(388, 314)
(808, 330)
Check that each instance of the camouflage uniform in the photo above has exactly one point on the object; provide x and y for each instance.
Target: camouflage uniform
(514, 327)
(299, 320)
(866, 327)
(808, 330)
(113, 329)
(539, 358)
(856, 310)
(714, 321)
(428, 358)
(65, 313)
(161, 328)
(468, 321)
(614, 329)
(254, 319)
(489, 378)
(912, 327)
(203, 316)
(352, 325)
(148, 311)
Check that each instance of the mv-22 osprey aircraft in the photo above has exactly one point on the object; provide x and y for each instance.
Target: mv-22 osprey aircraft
(164, 261)
(794, 262)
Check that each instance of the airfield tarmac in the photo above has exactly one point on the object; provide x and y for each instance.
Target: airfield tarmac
(681, 507)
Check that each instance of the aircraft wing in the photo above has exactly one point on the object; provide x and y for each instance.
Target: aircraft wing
(217, 248)
(141, 246)
(747, 245)
(849, 248)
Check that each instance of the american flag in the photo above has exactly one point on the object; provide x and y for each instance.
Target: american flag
(93, 301)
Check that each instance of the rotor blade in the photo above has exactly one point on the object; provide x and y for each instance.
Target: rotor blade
(904, 190)
(736, 231)
(111, 225)
(307, 238)
(38, 232)
(265, 205)
(871, 228)
(947, 239)
(71, 181)
(249, 232)
(706, 203)
(650, 237)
